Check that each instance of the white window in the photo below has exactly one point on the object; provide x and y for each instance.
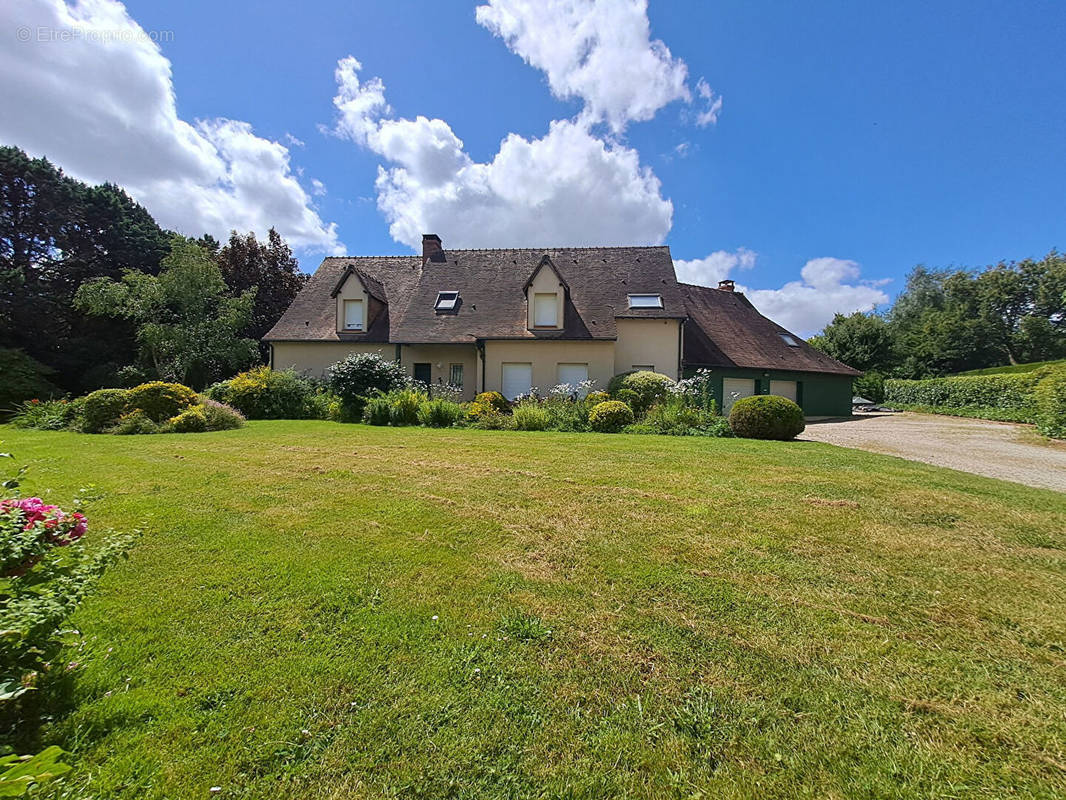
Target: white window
(574, 374)
(789, 340)
(446, 301)
(733, 389)
(455, 375)
(517, 379)
(645, 301)
(544, 311)
(784, 389)
(353, 315)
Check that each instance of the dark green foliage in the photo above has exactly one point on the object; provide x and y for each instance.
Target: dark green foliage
(159, 400)
(404, 405)
(55, 234)
(439, 413)
(1050, 404)
(674, 417)
(24, 378)
(101, 409)
(862, 341)
(263, 393)
(870, 385)
(610, 416)
(647, 388)
(1015, 368)
(766, 417)
(267, 269)
(188, 325)
(360, 376)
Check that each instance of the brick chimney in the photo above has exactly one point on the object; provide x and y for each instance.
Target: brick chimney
(726, 285)
(432, 249)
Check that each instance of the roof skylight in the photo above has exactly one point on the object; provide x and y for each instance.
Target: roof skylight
(789, 340)
(446, 301)
(645, 301)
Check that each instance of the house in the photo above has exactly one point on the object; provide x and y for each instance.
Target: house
(510, 320)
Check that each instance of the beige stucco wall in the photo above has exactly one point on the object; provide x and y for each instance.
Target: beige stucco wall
(441, 357)
(545, 282)
(353, 289)
(651, 342)
(545, 356)
(314, 358)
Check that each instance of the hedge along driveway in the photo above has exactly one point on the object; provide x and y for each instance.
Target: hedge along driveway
(994, 449)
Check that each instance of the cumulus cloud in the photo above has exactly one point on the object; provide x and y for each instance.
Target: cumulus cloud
(600, 52)
(567, 187)
(827, 286)
(101, 105)
(715, 267)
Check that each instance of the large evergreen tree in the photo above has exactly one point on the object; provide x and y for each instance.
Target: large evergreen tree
(55, 234)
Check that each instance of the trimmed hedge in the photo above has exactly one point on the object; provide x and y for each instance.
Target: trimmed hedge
(160, 400)
(1038, 396)
(640, 389)
(766, 416)
(102, 409)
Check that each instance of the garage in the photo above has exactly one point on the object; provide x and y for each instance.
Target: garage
(733, 389)
(785, 389)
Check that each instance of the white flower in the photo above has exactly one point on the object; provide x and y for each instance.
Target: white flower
(435, 618)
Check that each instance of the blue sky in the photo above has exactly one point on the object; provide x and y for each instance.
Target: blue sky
(855, 140)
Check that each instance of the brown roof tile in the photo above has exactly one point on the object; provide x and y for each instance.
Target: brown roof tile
(725, 330)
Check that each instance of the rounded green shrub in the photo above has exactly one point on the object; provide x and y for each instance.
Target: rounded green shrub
(766, 416)
(160, 400)
(530, 415)
(191, 420)
(610, 416)
(494, 400)
(265, 393)
(647, 388)
(1049, 398)
(592, 398)
(101, 409)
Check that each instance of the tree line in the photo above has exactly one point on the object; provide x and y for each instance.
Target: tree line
(953, 320)
(97, 293)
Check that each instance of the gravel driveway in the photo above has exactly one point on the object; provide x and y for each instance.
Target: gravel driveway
(995, 449)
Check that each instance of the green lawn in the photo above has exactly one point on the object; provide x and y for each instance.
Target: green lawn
(328, 611)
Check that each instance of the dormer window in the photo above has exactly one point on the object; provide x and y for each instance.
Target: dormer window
(645, 301)
(789, 340)
(354, 320)
(446, 301)
(545, 310)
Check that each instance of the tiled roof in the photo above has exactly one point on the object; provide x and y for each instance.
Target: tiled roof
(725, 330)
(491, 286)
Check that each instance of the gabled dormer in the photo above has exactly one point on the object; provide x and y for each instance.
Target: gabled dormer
(359, 300)
(546, 292)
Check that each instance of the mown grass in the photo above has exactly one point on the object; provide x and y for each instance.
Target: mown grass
(328, 611)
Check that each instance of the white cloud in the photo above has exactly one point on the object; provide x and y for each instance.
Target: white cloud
(713, 103)
(318, 189)
(715, 267)
(568, 187)
(827, 286)
(600, 52)
(100, 103)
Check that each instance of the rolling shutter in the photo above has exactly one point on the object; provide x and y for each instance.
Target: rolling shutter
(517, 379)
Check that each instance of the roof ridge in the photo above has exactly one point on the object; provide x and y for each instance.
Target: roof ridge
(530, 249)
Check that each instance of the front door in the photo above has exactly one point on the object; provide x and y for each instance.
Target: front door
(424, 373)
(733, 389)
